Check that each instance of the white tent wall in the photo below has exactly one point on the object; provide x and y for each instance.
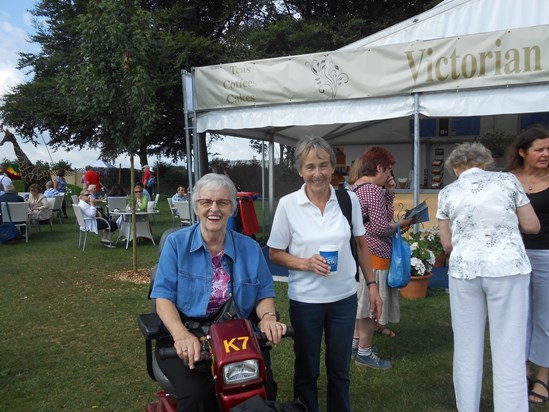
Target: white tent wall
(355, 123)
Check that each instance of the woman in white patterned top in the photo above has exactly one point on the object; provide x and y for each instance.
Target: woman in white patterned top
(481, 216)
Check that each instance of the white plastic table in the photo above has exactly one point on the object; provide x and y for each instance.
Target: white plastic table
(142, 226)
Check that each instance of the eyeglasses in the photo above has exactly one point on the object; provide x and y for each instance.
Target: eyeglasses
(138, 191)
(221, 203)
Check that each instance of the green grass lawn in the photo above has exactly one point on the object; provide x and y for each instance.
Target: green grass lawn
(70, 342)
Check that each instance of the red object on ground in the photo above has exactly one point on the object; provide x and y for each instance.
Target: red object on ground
(250, 225)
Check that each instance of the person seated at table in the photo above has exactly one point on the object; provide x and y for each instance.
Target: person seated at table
(180, 195)
(10, 195)
(50, 191)
(117, 191)
(140, 200)
(221, 262)
(87, 206)
(145, 192)
(38, 205)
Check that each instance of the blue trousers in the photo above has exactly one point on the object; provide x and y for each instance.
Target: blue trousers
(336, 320)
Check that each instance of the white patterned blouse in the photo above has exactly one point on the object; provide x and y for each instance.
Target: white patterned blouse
(486, 240)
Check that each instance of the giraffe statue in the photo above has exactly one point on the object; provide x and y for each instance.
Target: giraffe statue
(29, 173)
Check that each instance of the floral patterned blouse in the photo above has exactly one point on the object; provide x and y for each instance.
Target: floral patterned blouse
(220, 285)
(486, 241)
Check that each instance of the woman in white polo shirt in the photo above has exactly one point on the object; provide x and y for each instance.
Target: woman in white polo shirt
(320, 301)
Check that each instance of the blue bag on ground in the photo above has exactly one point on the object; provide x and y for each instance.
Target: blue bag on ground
(401, 259)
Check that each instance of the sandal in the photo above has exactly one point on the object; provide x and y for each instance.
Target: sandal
(540, 398)
(384, 330)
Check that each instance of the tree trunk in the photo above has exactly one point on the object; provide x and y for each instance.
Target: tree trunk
(143, 155)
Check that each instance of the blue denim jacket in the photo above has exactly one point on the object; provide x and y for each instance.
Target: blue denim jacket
(184, 274)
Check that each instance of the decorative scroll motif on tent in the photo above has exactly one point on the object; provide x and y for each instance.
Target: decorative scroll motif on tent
(328, 75)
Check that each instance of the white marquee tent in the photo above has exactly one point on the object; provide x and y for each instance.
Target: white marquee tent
(461, 58)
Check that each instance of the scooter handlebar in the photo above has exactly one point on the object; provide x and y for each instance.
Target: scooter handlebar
(171, 353)
(290, 332)
(167, 353)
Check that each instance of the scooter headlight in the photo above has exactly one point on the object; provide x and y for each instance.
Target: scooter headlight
(239, 372)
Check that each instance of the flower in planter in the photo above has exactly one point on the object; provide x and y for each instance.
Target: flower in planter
(423, 257)
(432, 237)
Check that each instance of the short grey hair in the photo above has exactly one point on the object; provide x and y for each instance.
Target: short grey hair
(468, 155)
(214, 181)
(308, 143)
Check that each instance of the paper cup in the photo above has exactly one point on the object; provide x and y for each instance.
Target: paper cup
(330, 252)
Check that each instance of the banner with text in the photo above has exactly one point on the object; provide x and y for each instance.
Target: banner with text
(507, 57)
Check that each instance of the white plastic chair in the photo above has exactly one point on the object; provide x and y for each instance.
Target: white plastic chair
(184, 212)
(116, 203)
(81, 221)
(173, 211)
(55, 209)
(19, 212)
(152, 205)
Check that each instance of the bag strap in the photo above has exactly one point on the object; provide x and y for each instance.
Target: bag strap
(346, 206)
(9, 213)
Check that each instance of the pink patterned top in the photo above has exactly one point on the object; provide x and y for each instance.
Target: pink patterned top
(377, 205)
(220, 285)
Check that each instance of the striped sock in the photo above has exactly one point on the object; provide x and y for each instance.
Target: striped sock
(364, 351)
(355, 342)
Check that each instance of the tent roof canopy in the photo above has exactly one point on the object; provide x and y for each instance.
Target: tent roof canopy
(101, 164)
(344, 121)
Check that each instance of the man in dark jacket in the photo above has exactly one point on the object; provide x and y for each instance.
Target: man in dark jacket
(10, 195)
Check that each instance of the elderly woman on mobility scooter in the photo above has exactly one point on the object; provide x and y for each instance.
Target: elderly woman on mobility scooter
(199, 269)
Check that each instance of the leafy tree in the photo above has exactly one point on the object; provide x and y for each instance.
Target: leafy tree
(186, 34)
(115, 82)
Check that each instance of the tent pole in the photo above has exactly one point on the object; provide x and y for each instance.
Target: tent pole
(415, 171)
(188, 107)
(263, 232)
(271, 178)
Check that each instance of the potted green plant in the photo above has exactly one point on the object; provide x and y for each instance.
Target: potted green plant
(422, 263)
(432, 237)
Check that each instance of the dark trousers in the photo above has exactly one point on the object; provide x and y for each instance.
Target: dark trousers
(195, 390)
(336, 320)
(102, 225)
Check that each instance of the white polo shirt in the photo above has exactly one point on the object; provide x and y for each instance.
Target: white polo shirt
(300, 226)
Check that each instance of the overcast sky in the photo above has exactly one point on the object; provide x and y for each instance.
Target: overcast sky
(15, 26)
